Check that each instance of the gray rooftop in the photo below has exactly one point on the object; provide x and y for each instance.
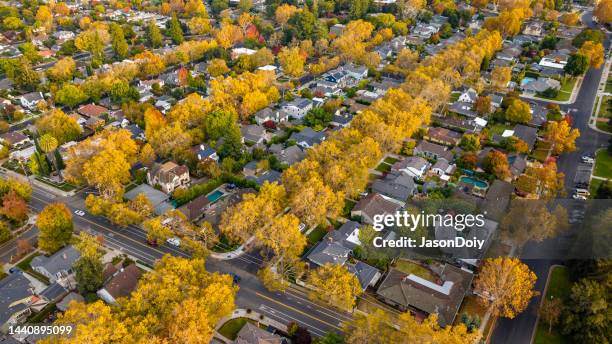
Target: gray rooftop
(13, 288)
(61, 260)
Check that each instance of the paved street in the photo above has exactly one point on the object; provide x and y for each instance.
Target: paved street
(519, 329)
(292, 305)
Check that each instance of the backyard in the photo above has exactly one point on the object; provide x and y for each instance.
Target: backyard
(409, 267)
(231, 328)
(559, 287)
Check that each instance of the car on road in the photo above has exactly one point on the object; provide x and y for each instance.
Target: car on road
(235, 277)
(587, 160)
(14, 270)
(301, 227)
(152, 243)
(579, 197)
(174, 241)
(79, 212)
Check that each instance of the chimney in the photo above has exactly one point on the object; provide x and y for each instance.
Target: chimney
(65, 256)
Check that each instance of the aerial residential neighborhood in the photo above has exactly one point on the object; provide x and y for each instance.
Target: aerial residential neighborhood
(305, 171)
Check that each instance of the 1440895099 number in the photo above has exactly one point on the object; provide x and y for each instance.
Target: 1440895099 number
(40, 329)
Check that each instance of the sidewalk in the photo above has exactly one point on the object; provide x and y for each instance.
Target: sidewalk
(232, 254)
(249, 314)
(601, 93)
(543, 296)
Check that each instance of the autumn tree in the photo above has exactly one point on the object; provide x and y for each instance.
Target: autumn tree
(199, 25)
(94, 40)
(59, 125)
(594, 52)
(88, 267)
(603, 11)
(470, 142)
(532, 220)
(62, 70)
(14, 207)
(496, 163)
(154, 35)
(55, 226)
(284, 12)
(577, 64)
(5, 232)
(570, 18)
(174, 30)
(562, 136)
(518, 112)
(292, 61)
(119, 44)
(217, 67)
(505, 286)
(334, 285)
(69, 95)
(550, 311)
(228, 35)
(500, 77)
(508, 23)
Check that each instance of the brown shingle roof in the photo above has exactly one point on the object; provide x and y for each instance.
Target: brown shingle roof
(124, 282)
(92, 110)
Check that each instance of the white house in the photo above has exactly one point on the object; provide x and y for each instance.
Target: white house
(57, 266)
(297, 108)
(468, 96)
(414, 166)
(29, 100)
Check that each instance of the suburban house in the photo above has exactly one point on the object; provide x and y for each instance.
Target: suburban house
(433, 151)
(252, 334)
(410, 292)
(158, 199)
(205, 152)
(30, 100)
(443, 136)
(337, 246)
(269, 176)
(53, 292)
(374, 204)
(72, 296)
(497, 199)
(540, 85)
(297, 108)
(57, 266)
(469, 96)
(253, 133)
(169, 176)
(398, 186)
(121, 284)
(443, 167)
(270, 115)
(16, 294)
(290, 155)
(533, 29)
(195, 208)
(463, 108)
(527, 134)
(307, 138)
(92, 110)
(14, 139)
(414, 166)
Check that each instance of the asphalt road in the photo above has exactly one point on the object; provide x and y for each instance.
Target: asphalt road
(292, 305)
(520, 329)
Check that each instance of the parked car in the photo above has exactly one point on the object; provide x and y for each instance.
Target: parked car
(14, 270)
(235, 277)
(152, 243)
(79, 212)
(588, 160)
(579, 197)
(174, 241)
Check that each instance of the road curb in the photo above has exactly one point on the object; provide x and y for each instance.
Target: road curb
(537, 322)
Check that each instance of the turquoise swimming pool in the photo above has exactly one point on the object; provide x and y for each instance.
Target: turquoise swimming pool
(527, 80)
(475, 182)
(213, 197)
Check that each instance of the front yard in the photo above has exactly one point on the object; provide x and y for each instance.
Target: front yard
(559, 287)
(603, 164)
(231, 328)
(565, 92)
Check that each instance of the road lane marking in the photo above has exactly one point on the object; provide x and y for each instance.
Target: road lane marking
(296, 310)
(280, 315)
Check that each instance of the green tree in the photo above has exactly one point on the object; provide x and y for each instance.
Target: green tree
(518, 112)
(154, 35)
(89, 275)
(29, 51)
(470, 142)
(24, 76)
(587, 318)
(232, 145)
(5, 232)
(70, 95)
(55, 226)
(577, 64)
(174, 30)
(358, 8)
(120, 45)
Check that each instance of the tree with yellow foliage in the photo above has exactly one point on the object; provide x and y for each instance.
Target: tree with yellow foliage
(217, 67)
(284, 12)
(603, 11)
(59, 125)
(149, 63)
(531, 220)
(505, 286)
(44, 18)
(55, 226)
(508, 22)
(228, 35)
(334, 285)
(170, 140)
(594, 52)
(62, 70)
(562, 136)
(94, 40)
(500, 77)
(199, 25)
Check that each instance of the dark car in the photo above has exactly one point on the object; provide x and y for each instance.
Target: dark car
(14, 270)
(235, 278)
(152, 243)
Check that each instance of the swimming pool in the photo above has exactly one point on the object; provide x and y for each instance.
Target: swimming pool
(527, 80)
(475, 182)
(213, 197)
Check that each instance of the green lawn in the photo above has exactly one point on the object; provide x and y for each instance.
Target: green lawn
(565, 92)
(231, 328)
(605, 111)
(603, 164)
(454, 96)
(389, 160)
(348, 206)
(25, 266)
(383, 167)
(316, 235)
(558, 287)
(594, 186)
(409, 267)
(498, 128)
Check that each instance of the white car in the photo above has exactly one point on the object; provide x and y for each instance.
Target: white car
(174, 241)
(301, 227)
(79, 212)
(580, 197)
(588, 160)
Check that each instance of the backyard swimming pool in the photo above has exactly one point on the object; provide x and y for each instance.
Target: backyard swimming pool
(213, 197)
(475, 182)
(527, 80)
